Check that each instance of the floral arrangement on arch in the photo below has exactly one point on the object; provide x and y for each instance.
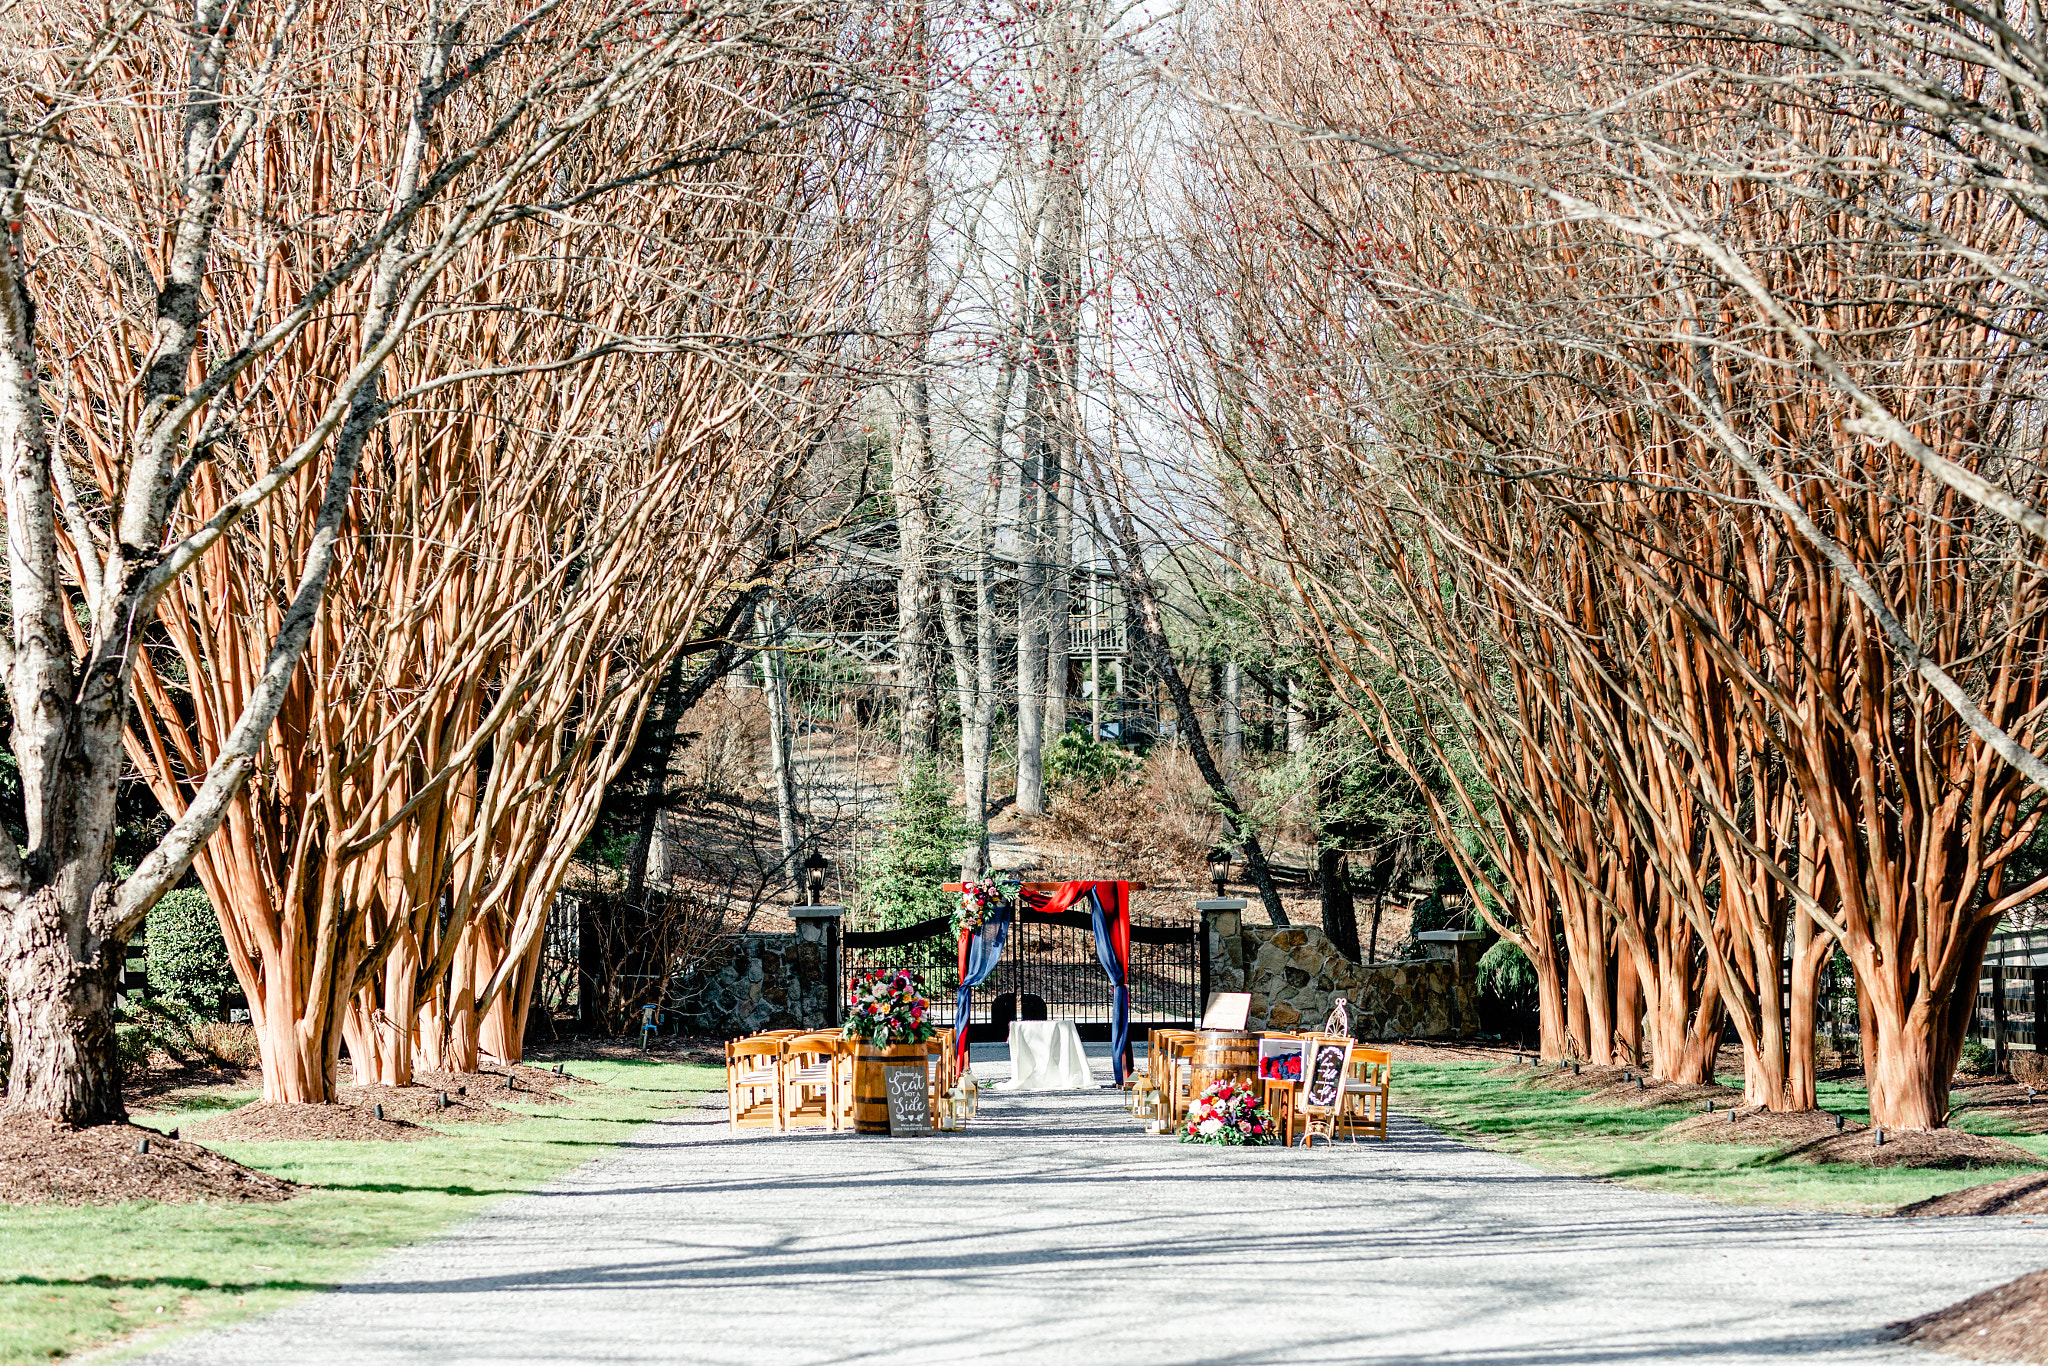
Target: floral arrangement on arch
(1228, 1112)
(978, 901)
(887, 1009)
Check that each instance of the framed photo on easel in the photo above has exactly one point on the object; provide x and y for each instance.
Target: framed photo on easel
(1324, 1072)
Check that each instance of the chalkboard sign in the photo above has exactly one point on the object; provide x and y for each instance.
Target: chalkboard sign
(910, 1099)
(1328, 1062)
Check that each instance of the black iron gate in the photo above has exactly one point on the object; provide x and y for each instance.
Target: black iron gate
(1048, 961)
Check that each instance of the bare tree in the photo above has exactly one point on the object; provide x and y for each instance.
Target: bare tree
(235, 242)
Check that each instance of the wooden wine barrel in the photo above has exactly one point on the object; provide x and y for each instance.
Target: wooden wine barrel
(870, 1093)
(1221, 1053)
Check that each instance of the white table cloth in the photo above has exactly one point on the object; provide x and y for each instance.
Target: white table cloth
(1045, 1055)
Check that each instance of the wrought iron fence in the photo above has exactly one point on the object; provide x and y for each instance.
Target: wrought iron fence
(1051, 958)
(929, 949)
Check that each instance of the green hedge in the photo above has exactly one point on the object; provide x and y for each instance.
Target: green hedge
(188, 959)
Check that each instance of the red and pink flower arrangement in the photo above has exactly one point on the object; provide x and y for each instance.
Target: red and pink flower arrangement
(978, 902)
(886, 1009)
(1228, 1112)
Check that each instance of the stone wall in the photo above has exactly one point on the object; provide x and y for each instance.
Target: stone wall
(752, 983)
(1294, 974)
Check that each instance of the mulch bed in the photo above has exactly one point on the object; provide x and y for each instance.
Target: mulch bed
(2008, 1100)
(269, 1122)
(1657, 1095)
(529, 1084)
(2006, 1323)
(1443, 1050)
(2014, 1195)
(157, 1087)
(1550, 1077)
(45, 1163)
(421, 1104)
(1946, 1149)
(1761, 1128)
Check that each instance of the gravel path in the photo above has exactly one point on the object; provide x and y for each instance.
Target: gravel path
(1054, 1233)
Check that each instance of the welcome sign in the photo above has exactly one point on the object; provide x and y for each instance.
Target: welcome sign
(910, 1099)
(1322, 1087)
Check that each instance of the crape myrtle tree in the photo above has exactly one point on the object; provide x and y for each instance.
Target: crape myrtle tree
(265, 216)
(1686, 429)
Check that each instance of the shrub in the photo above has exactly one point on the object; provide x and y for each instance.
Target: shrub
(188, 959)
(1977, 1059)
(902, 883)
(1079, 764)
(1507, 992)
(167, 1032)
(1154, 822)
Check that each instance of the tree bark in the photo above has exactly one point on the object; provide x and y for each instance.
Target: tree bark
(1031, 597)
(914, 474)
(60, 1023)
(781, 761)
(1230, 716)
(1340, 907)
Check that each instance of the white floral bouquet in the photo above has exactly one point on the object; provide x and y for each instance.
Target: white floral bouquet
(887, 1009)
(1228, 1112)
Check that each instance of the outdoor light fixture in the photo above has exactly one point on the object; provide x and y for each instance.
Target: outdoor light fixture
(814, 874)
(1219, 868)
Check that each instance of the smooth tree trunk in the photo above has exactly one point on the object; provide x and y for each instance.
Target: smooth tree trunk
(914, 473)
(1230, 714)
(1031, 600)
(781, 741)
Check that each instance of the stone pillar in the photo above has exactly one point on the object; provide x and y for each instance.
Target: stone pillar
(1222, 947)
(1460, 948)
(817, 965)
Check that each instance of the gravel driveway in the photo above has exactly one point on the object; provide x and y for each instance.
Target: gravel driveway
(1054, 1233)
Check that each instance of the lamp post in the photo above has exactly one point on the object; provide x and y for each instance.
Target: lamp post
(814, 874)
(1219, 868)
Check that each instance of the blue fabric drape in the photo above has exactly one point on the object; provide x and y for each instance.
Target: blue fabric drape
(984, 951)
(1120, 1020)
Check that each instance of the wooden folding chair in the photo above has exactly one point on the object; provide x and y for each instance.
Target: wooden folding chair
(938, 1065)
(811, 1080)
(753, 1084)
(1366, 1092)
(1180, 1077)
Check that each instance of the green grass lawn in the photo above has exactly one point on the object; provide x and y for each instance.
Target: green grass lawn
(1552, 1129)
(77, 1277)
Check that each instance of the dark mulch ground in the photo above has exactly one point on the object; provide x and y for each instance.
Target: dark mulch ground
(1759, 1128)
(1947, 1149)
(267, 1122)
(1440, 1050)
(2014, 1195)
(421, 1104)
(1657, 1095)
(147, 1088)
(46, 1163)
(526, 1082)
(1571, 1077)
(2006, 1323)
(2025, 1109)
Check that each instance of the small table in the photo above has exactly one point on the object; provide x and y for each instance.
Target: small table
(1284, 1112)
(1045, 1055)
